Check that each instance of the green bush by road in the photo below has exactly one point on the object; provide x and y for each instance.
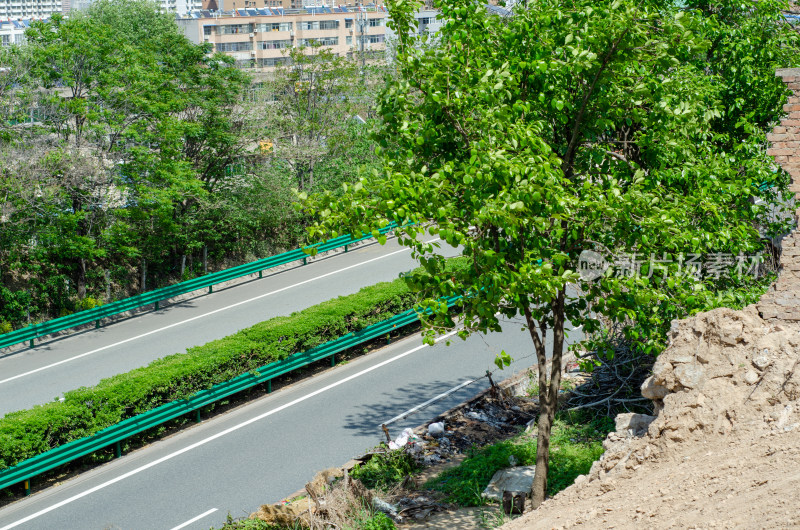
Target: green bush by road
(85, 411)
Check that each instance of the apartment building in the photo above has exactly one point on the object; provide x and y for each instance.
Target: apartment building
(13, 31)
(37, 9)
(179, 7)
(260, 38)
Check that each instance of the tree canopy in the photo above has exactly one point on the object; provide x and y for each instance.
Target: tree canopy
(572, 127)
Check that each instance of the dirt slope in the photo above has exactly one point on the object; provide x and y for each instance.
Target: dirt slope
(724, 448)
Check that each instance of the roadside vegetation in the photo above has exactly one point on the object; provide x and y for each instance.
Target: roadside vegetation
(577, 441)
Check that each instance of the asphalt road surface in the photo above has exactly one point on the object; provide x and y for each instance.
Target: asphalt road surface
(32, 376)
(260, 452)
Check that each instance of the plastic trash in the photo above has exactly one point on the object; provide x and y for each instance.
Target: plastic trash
(405, 436)
(436, 429)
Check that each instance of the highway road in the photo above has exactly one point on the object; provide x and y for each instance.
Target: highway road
(271, 447)
(31, 376)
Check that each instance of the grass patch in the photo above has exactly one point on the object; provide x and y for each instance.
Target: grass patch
(576, 442)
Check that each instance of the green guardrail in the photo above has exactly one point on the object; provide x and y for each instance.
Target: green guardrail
(154, 297)
(112, 436)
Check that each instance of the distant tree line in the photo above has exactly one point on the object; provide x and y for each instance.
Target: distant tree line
(131, 158)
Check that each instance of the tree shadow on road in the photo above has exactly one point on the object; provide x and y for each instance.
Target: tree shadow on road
(368, 419)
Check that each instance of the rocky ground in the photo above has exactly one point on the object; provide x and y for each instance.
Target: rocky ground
(723, 450)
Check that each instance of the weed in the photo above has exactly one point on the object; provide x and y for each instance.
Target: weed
(493, 518)
(384, 470)
(576, 442)
(367, 519)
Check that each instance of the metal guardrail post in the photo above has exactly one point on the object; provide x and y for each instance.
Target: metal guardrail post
(269, 386)
(305, 261)
(210, 289)
(117, 450)
(197, 418)
(31, 343)
(260, 273)
(27, 485)
(156, 309)
(333, 360)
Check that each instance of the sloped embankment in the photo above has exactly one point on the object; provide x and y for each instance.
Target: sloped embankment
(723, 450)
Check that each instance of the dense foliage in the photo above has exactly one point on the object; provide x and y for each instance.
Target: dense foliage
(572, 129)
(131, 158)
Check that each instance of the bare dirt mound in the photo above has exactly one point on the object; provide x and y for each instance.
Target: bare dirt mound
(723, 450)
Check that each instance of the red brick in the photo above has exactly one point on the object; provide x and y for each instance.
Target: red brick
(780, 130)
(789, 122)
(774, 137)
(780, 152)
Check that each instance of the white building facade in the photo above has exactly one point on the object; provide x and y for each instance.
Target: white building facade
(36, 9)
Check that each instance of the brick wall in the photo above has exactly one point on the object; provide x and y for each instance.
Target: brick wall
(782, 301)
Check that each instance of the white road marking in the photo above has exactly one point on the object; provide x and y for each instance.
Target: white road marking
(218, 435)
(421, 406)
(31, 372)
(194, 519)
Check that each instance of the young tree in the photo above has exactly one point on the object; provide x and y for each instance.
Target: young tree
(314, 100)
(531, 139)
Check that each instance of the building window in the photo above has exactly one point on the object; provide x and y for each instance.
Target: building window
(275, 26)
(274, 61)
(375, 22)
(208, 30)
(375, 39)
(322, 41)
(319, 24)
(235, 29)
(275, 44)
(234, 46)
(348, 23)
(349, 40)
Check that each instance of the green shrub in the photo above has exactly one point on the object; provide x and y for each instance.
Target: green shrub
(5, 327)
(87, 303)
(384, 470)
(84, 411)
(575, 443)
(374, 521)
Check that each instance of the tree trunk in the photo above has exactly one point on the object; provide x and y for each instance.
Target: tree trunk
(183, 265)
(108, 285)
(548, 403)
(205, 259)
(80, 284)
(546, 415)
(143, 281)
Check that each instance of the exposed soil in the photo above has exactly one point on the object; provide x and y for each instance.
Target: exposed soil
(723, 450)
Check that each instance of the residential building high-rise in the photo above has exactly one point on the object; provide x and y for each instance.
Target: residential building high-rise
(179, 7)
(260, 38)
(28, 9)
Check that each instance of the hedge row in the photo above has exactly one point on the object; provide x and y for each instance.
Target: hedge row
(85, 411)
